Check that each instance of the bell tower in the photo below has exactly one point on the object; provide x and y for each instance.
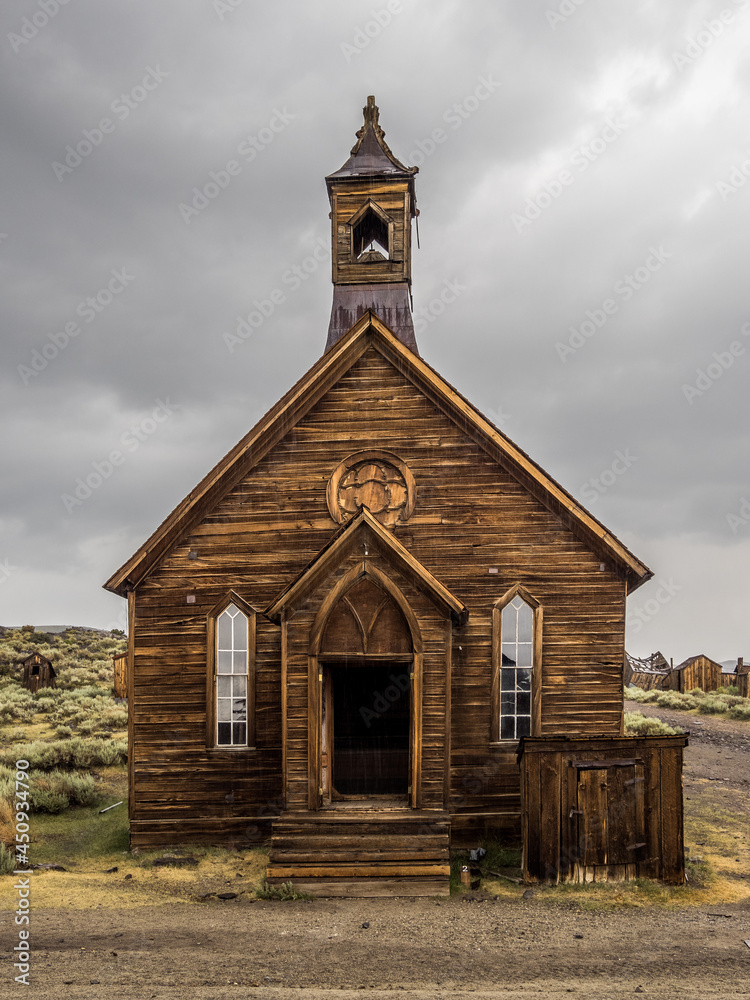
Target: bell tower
(372, 204)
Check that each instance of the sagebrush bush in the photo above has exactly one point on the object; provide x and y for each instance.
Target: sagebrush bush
(712, 706)
(641, 725)
(740, 712)
(68, 755)
(673, 699)
(56, 791)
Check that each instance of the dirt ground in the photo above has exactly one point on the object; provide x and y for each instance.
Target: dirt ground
(548, 944)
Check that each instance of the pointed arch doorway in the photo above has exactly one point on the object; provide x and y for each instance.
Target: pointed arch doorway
(367, 718)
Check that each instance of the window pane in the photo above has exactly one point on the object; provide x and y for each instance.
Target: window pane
(523, 680)
(240, 663)
(224, 662)
(509, 654)
(238, 710)
(525, 623)
(523, 703)
(507, 679)
(238, 733)
(524, 654)
(507, 728)
(524, 726)
(239, 686)
(224, 687)
(224, 709)
(224, 631)
(509, 624)
(224, 737)
(240, 632)
(507, 703)
(517, 602)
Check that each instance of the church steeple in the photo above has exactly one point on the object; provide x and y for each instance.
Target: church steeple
(372, 204)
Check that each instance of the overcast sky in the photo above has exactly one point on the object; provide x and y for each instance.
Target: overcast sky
(583, 189)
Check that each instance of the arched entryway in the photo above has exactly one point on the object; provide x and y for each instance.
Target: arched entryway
(368, 665)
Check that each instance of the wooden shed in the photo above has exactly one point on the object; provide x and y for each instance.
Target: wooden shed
(340, 636)
(120, 675)
(38, 672)
(599, 810)
(696, 672)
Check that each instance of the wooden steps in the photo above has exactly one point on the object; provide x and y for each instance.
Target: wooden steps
(368, 852)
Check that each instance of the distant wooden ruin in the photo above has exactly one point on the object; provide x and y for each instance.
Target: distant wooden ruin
(649, 674)
(120, 675)
(700, 672)
(38, 672)
(341, 637)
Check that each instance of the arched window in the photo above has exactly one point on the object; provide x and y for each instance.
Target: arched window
(231, 639)
(515, 670)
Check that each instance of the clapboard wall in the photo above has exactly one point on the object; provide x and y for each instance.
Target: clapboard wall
(472, 518)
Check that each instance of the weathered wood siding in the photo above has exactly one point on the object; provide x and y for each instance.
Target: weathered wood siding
(471, 516)
(648, 681)
(697, 672)
(120, 675)
(394, 199)
(597, 811)
(38, 672)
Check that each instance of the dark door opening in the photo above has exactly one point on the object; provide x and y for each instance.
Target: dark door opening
(371, 710)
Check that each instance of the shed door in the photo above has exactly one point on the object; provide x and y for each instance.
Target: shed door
(610, 814)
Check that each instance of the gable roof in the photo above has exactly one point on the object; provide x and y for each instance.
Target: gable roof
(693, 659)
(341, 544)
(368, 332)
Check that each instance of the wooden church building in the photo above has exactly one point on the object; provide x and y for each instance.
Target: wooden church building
(341, 637)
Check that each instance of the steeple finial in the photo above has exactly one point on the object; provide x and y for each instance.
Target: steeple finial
(371, 112)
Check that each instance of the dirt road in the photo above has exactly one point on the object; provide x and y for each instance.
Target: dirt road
(549, 945)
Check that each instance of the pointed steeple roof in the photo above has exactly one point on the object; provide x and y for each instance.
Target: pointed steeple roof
(370, 154)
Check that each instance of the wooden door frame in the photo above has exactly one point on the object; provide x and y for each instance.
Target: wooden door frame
(315, 678)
